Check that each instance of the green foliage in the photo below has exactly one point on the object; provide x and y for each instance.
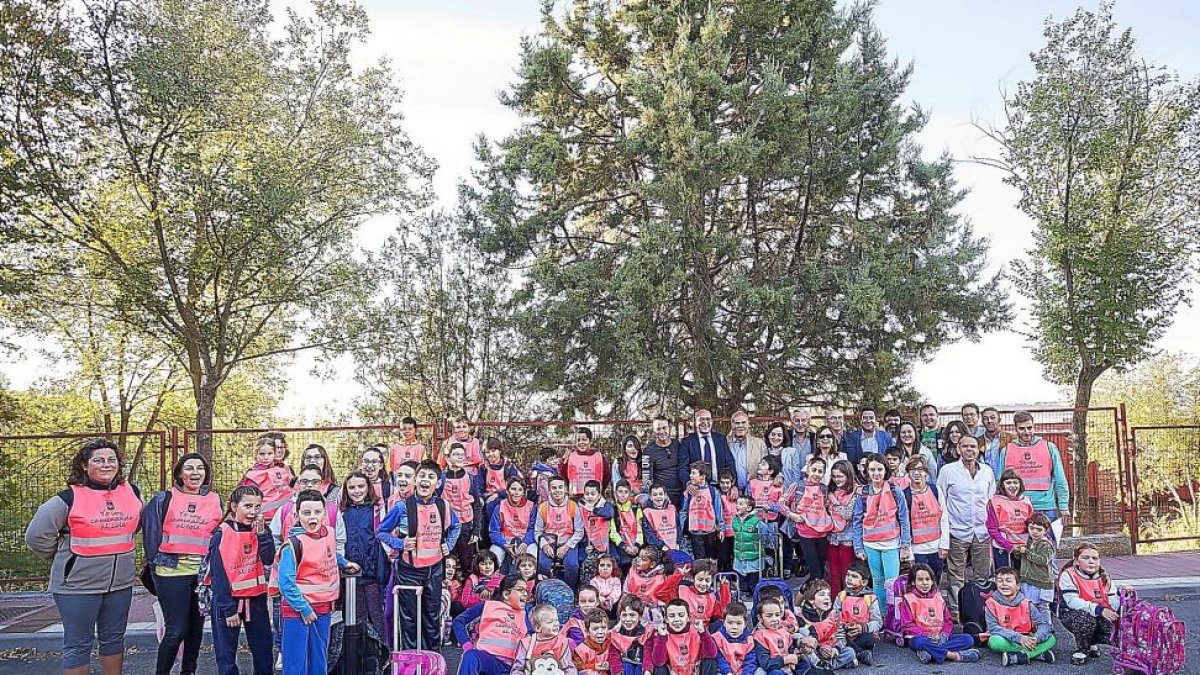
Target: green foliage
(723, 204)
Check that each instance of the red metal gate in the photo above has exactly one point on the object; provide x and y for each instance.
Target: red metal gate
(1165, 475)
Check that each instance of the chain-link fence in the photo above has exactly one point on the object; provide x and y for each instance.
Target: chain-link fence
(1165, 476)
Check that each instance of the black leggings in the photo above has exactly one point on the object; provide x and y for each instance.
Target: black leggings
(1087, 629)
(815, 552)
(184, 625)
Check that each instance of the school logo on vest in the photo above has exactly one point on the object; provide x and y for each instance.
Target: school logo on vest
(920, 506)
(247, 548)
(932, 614)
(191, 508)
(109, 505)
(1028, 456)
(432, 517)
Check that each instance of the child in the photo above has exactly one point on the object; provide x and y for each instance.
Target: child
(451, 591)
(409, 449)
(894, 457)
(925, 622)
(654, 579)
(1019, 630)
(822, 635)
(607, 582)
(1006, 515)
(491, 481)
(272, 479)
(597, 654)
(843, 493)
(511, 524)
(405, 478)
(546, 642)
(772, 650)
(597, 516)
(747, 544)
(630, 464)
(660, 521)
(729, 495)
(678, 648)
(808, 521)
(482, 582)
(924, 516)
(1037, 564)
(545, 468)
(584, 463)
(701, 516)
(629, 635)
(733, 640)
(588, 599)
(457, 489)
(373, 463)
(558, 530)
(238, 554)
(705, 603)
(361, 511)
(767, 488)
(501, 626)
(1089, 605)
(881, 528)
(858, 610)
(774, 594)
(309, 583)
(625, 531)
(526, 566)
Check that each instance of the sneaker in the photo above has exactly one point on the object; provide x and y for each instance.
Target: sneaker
(1005, 660)
(866, 657)
(923, 656)
(1078, 658)
(279, 662)
(1047, 656)
(1017, 659)
(971, 655)
(1094, 651)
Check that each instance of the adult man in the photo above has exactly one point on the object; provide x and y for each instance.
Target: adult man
(835, 419)
(662, 457)
(747, 450)
(795, 456)
(931, 430)
(584, 463)
(965, 487)
(994, 439)
(869, 439)
(1039, 464)
(891, 421)
(970, 417)
(704, 445)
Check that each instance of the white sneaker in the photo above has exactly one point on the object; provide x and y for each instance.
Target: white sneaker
(279, 662)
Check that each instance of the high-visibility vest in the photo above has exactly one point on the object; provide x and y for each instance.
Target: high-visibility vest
(627, 525)
(240, 558)
(596, 529)
(1090, 590)
(472, 448)
(1032, 463)
(493, 479)
(624, 642)
(702, 513)
(776, 641)
(734, 652)
(925, 517)
(589, 658)
(643, 586)
(317, 574)
(457, 493)
(683, 652)
(632, 472)
(703, 606)
(728, 511)
(557, 648)
(901, 482)
(1017, 619)
(929, 613)
(402, 453)
(841, 498)
(558, 520)
(880, 521)
(275, 483)
(765, 492)
(515, 519)
(501, 629)
(856, 609)
(665, 523)
(432, 523)
(103, 522)
(1011, 516)
(825, 630)
(189, 522)
(812, 505)
(581, 468)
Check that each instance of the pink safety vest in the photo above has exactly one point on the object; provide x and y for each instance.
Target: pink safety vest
(190, 522)
(1032, 463)
(103, 522)
(925, 517)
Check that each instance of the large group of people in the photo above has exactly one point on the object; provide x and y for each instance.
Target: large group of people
(668, 548)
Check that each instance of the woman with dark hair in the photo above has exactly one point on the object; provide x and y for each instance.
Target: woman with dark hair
(315, 455)
(828, 448)
(177, 526)
(776, 439)
(628, 465)
(87, 532)
(908, 439)
(951, 433)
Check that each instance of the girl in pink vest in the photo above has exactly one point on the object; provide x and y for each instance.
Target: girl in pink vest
(1007, 513)
(1088, 603)
(238, 555)
(502, 625)
(881, 527)
(808, 521)
(926, 624)
(843, 493)
(273, 479)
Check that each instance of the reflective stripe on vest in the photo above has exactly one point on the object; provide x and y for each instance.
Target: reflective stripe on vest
(557, 648)
(776, 641)
(856, 609)
(1016, 619)
(1011, 515)
(929, 613)
(925, 516)
(190, 522)
(243, 568)
(683, 652)
(880, 522)
(581, 468)
(702, 513)
(103, 522)
(514, 519)
(500, 630)
(665, 523)
(1032, 463)
(457, 494)
(317, 573)
(728, 511)
(1090, 590)
(558, 520)
(596, 529)
(811, 505)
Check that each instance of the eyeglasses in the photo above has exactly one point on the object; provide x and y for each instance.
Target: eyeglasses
(371, 462)
(825, 436)
(101, 461)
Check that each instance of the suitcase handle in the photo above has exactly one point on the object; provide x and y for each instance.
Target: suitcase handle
(419, 591)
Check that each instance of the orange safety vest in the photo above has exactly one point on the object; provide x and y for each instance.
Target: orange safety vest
(515, 519)
(925, 516)
(581, 468)
(1032, 463)
(929, 613)
(1016, 619)
(557, 648)
(632, 472)
(401, 453)
(501, 629)
(1011, 515)
(596, 529)
(765, 492)
(627, 525)
(190, 522)
(812, 505)
(665, 523)
(825, 630)
(558, 520)
(775, 641)
(734, 652)
(683, 652)
(317, 574)
(880, 522)
(702, 513)
(457, 493)
(1090, 590)
(840, 498)
(493, 479)
(702, 605)
(275, 483)
(431, 528)
(589, 658)
(239, 556)
(856, 609)
(103, 522)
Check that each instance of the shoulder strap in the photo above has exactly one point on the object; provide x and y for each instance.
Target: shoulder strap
(410, 510)
(297, 549)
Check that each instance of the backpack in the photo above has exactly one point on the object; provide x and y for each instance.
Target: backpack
(891, 613)
(557, 594)
(1147, 638)
(971, 610)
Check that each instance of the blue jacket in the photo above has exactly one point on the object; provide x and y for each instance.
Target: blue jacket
(479, 483)
(852, 443)
(362, 546)
(689, 451)
(860, 510)
(223, 603)
(748, 666)
(287, 580)
(397, 519)
(498, 536)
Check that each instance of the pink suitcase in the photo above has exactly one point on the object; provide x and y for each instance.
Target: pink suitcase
(1147, 638)
(412, 661)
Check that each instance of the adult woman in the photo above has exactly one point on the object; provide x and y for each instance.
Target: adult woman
(881, 529)
(177, 525)
(628, 465)
(908, 439)
(87, 531)
(372, 463)
(953, 431)
(829, 449)
(776, 438)
(843, 491)
(315, 455)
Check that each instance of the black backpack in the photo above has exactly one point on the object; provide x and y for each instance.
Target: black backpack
(971, 609)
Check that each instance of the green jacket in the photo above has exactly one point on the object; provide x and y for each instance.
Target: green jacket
(746, 537)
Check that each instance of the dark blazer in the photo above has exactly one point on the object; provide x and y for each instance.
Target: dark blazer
(689, 451)
(852, 443)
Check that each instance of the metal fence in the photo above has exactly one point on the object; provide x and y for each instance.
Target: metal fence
(1165, 475)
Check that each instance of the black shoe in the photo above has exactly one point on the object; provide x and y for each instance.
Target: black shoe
(1047, 656)
(866, 657)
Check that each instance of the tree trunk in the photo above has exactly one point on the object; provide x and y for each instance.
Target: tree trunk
(1080, 508)
(206, 402)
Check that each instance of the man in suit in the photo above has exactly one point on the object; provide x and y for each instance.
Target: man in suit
(869, 439)
(705, 445)
(747, 450)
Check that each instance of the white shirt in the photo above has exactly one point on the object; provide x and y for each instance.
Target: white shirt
(964, 502)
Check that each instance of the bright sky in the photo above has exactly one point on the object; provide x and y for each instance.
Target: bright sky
(455, 57)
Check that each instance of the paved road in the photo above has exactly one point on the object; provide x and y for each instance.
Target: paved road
(17, 659)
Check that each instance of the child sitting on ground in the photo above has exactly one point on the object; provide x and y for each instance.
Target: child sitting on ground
(705, 603)
(1019, 630)
(772, 652)
(597, 654)
(608, 583)
(629, 636)
(926, 624)
(483, 582)
(677, 647)
(588, 599)
(733, 639)
(822, 636)
(654, 579)
(546, 642)
(858, 610)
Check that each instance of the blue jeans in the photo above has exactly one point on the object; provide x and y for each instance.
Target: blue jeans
(479, 662)
(956, 642)
(86, 615)
(306, 646)
(545, 566)
(885, 566)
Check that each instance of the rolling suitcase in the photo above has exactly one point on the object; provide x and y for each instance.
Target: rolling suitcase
(356, 653)
(1147, 638)
(412, 661)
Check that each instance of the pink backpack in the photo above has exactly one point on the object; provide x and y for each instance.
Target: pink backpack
(1147, 639)
(896, 589)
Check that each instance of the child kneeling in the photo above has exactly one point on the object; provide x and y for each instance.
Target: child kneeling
(926, 623)
(1019, 630)
(678, 647)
